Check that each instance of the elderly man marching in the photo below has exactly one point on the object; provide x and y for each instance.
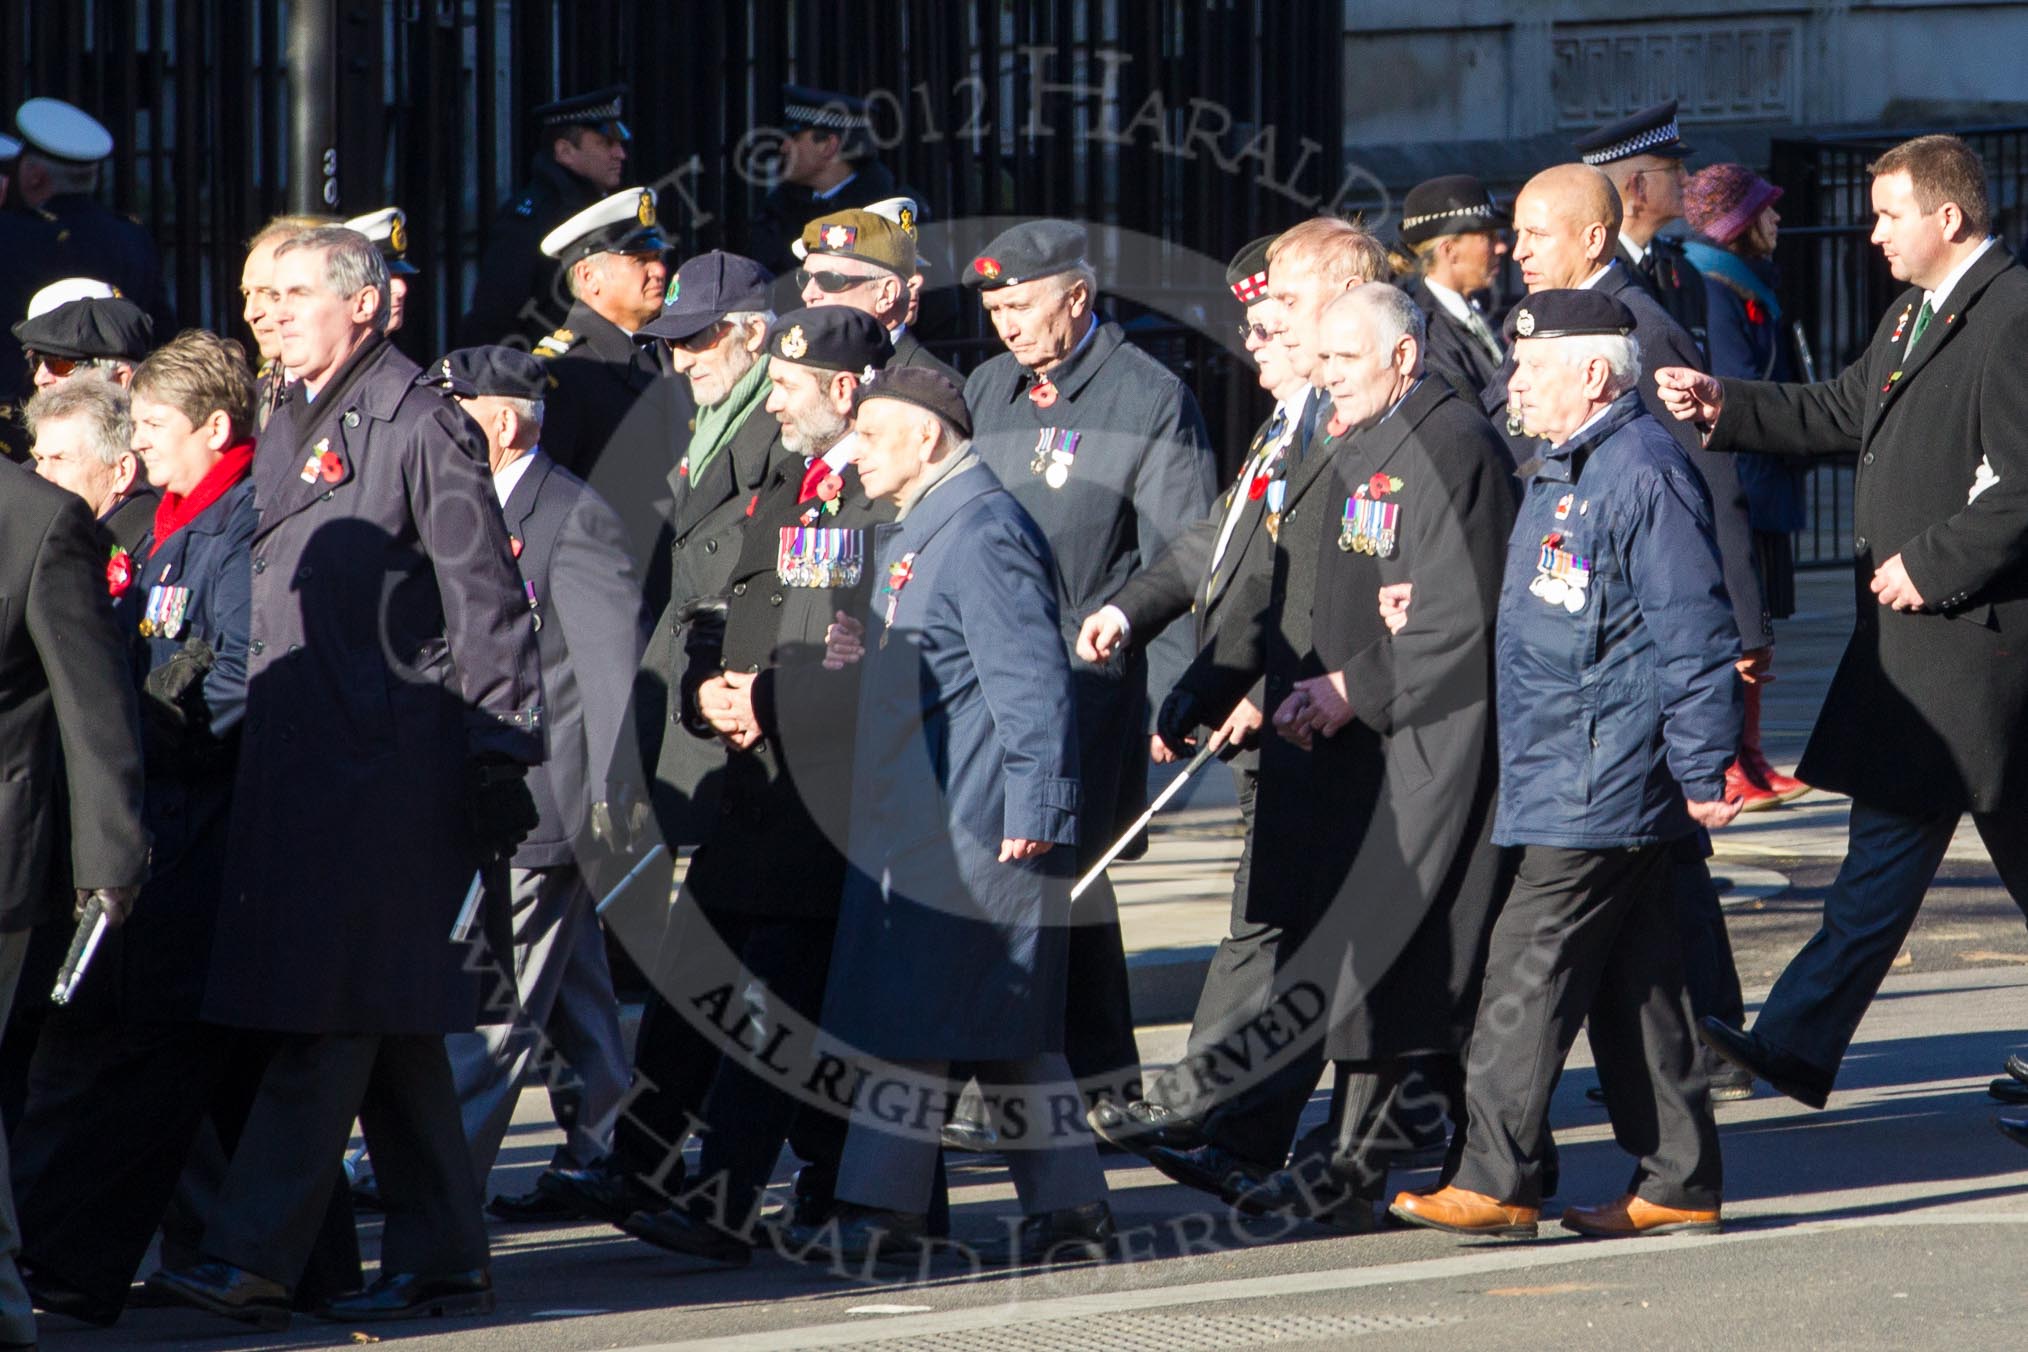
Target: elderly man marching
(1618, 713)
(953, 932)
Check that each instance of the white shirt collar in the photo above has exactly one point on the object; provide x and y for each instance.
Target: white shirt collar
(840, 455)
(1585, 426)
(833, 190)
(1936, 298)
(510, 474)
(1457, 306)
(1637, 252)
(1591, 281)
(1291, 405)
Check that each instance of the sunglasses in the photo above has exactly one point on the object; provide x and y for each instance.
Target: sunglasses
(60, 367)
(698, 342)
(830, 283)
(1256, 332)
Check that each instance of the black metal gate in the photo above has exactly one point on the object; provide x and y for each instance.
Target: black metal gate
(1836, 283)
(1190, 127)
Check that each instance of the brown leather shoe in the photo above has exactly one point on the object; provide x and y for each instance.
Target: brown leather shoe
(1465, 1213)
(1630, 1215)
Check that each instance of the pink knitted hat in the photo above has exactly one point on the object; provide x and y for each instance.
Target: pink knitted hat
(1722, 200)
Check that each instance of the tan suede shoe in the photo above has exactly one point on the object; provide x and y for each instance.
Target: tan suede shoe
(1630, 1216)
(1463, 1212)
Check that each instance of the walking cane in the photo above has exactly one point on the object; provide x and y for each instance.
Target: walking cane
(1118, 847)
(466, 927)
(632, 873)
(91, 928)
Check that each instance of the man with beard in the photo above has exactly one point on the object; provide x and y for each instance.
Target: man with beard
(750, 934)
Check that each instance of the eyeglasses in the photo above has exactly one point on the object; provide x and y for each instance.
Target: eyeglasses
(1253, 332)
(697, 342)
(830, 283)
(60, 367)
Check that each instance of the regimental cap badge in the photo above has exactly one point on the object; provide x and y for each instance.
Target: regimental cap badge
(794, 344)
(989, 268)
(1524, 322)
(905, 218)
(397, 235)
(644, 210)
(838, 236)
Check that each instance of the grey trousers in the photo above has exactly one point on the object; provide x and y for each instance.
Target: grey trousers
(17, 1318)
(1051, 1158)
(567, 1016)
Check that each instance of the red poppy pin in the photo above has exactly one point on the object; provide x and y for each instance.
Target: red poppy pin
(752, 503)
(1257, 489)
(1042, 393)
(331, 467)
(514, 545)
(119, 572)
(1756, 313)
(830, 487)
(1380, 485)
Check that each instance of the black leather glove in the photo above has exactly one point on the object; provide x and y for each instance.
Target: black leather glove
(1178, 720)
(502, 810)
(620, 821)
(175, 720)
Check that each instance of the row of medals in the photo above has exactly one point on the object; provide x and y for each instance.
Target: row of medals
(1561, 578)
(167, 607)
(817, 556)
(1055, 448)
(1369, 527)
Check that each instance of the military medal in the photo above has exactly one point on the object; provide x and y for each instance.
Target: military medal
(818, 556)
(1055, 449)
(1369, 527)
(528, 589)
(1276, 492)
(1561, 577)
(166, 610)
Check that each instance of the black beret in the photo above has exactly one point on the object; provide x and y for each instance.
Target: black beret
(600, 108)
(471, 372)
(924, 388)
(1652, 131)
(1455, 204)
(832, 338)
(1247, 273)
(90, 328)
(1568, 314)
(1029, 250)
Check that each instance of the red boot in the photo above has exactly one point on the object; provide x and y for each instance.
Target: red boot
(1751, 797)
(1755, 765)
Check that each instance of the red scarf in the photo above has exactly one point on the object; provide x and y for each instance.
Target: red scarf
(175, 511)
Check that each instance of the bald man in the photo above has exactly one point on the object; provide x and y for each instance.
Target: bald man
(1566, 232)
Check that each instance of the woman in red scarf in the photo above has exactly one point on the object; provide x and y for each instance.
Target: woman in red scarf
(123, 1076)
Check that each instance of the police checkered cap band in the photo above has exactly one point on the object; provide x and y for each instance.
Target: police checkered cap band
(835, 116)
(1663, 135)
(1475, 209)
(1251, 288)
(598, 112)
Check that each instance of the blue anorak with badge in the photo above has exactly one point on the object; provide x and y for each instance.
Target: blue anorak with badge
(1616, 640)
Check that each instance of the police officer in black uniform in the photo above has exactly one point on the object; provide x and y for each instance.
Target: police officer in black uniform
(826, 163)
(580, 156)
(1452, 228)
(1643, 155)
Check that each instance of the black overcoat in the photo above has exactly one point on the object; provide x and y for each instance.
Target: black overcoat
(1926, 708)
(1413, 877)
(391, 644)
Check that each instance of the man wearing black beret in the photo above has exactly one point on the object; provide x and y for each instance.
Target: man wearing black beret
(1107, 452)
(571, 553)
(1618, 712)
(760, 898)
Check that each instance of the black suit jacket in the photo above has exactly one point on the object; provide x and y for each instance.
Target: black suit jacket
(70, 729)
(1449, 348)
(589, 636)
(910, 351)
(1664, 342)
(1927, 708)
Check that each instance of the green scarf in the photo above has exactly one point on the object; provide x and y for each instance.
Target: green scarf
(717, 423)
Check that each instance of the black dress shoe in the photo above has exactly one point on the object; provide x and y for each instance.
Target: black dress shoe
(1074, 1234)
(1728, 1086)
(599, 1192)
(2017, 1067)
(53, 1297)
(968, 1137)
(2007, 1089)
(1139, 1126)
(412, 1295)
(2014, 1129)
(223, 1289)
(1210, 1168)
(1327, 1200)
(529, 1208)
(854, 1233)
(693, 1236)
(1789, 1075)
